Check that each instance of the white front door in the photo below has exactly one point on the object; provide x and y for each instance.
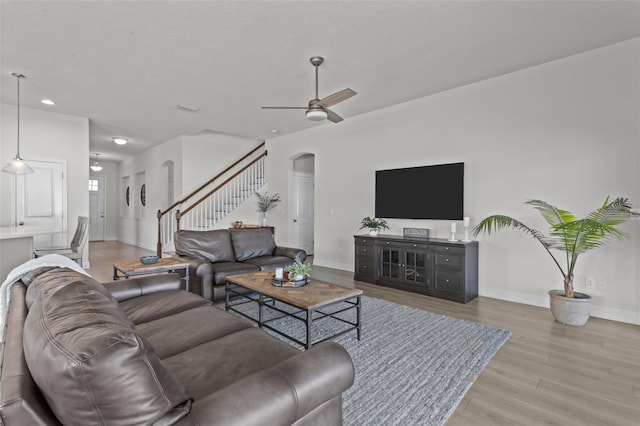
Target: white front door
(96, 207)
(303, 213)
(41, 201)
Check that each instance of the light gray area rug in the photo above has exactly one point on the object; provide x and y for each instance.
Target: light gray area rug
(412, 366)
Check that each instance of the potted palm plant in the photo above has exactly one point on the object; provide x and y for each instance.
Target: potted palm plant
(573, 237)
(374, 225)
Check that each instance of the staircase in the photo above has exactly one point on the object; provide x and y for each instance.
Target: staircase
(215, 199)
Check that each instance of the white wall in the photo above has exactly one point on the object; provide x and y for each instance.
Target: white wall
(138, 225)
(197, 158)
(566, 132)
(48, 136)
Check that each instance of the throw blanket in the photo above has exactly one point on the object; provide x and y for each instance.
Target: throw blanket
(20, 271)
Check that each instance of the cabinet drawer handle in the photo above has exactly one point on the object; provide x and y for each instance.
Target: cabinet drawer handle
(446, 248)
(446, 281)
(447, 260)
(364, 241)
(364, 250)
(364, 267)
(388, 243)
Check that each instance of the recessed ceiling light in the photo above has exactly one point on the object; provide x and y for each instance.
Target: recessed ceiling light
(48, 102)
(274, 130)
(120, 141)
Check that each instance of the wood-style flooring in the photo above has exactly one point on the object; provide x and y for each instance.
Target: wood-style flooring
(546, 374)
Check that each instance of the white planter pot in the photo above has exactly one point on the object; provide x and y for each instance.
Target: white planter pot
(373, 233)
(570, 311)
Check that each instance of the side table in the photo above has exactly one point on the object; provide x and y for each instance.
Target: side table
(164, 264)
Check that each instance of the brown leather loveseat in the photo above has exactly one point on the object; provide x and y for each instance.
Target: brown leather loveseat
(143, 351)
(214, 255)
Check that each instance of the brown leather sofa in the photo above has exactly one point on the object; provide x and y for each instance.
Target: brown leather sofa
(143, 351)
(214, 255)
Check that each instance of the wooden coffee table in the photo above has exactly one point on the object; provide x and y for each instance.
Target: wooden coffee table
(164, 264)
(316, 297)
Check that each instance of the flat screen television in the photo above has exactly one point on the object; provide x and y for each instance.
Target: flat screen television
(428, 192)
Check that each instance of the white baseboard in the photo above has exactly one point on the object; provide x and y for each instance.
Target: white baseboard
(135, 243)
(603, 312)
(333, 265)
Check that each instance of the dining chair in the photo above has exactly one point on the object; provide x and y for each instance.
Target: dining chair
(75, 249)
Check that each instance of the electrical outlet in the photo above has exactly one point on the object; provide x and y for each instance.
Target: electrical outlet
(602, 284)
(590, 283)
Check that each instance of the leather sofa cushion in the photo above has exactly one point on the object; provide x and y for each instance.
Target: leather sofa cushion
(215, 246)
(223, 269)
(227, 360)
(252, 243)
(90, 364)
(270, 262)
(158, 305)
(189, 329)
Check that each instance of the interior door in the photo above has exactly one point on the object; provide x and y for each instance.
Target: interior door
(97, 207)
(41, 201)
(303, 213)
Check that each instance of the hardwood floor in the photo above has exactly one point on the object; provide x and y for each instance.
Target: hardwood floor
(546, 374)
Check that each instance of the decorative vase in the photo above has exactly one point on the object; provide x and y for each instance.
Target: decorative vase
(264, 222)
(570, 310)
(373, 233)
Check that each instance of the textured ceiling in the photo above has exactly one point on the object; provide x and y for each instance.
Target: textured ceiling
(126, 64)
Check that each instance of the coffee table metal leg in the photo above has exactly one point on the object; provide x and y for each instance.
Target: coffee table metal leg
(309, 321)
(186, 278)
(358, 311)
(226, 295)
(260, 309)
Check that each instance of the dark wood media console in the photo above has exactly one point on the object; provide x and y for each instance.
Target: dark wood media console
(431, 266)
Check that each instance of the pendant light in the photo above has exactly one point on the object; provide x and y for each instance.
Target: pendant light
(96, 167)
(17, 166)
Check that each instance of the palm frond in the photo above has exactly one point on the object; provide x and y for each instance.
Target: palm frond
(612, 212)
(551, 214)
(498, 222)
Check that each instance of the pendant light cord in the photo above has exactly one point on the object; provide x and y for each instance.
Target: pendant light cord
(18, 77)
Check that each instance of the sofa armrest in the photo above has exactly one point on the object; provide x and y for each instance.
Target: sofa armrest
(200, 276)
(145, 284)
(279, 395)
(293, 253)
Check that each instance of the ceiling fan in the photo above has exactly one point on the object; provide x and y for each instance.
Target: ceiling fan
(318, 109)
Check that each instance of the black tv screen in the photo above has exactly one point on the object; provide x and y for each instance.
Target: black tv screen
(429, 192)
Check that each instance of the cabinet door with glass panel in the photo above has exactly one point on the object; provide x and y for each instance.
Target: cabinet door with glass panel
(405, 263)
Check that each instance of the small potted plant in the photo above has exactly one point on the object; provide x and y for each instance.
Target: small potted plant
(374, 225)
(266, 203)
(573, 237)
(298, 271)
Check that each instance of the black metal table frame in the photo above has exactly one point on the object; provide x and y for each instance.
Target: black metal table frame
(264, 300)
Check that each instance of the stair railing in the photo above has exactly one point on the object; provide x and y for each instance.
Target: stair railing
(169, 219)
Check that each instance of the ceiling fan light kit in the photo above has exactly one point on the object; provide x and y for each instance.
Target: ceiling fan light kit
(316, 114)
(17, 166)
(318, 109)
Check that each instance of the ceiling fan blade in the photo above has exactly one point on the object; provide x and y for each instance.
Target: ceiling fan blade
(284, 107)
(332, 116)
(340, 96)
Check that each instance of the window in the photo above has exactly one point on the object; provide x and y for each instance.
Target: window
(93, 185)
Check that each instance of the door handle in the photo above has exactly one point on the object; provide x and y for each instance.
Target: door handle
(295, 220)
